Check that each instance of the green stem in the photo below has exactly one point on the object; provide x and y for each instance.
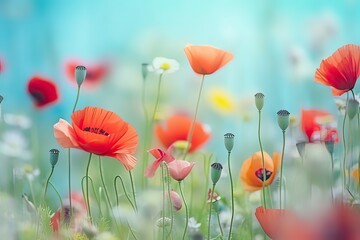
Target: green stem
(186, 211)
(211, 199)
(281, 169)
(125, 192)
(103, 183)
(58, 195)
(220, 227)
(344, 145)
(263, 162)
(32, 192)
(332, 175)
(93, 190)
(144, 152)
(163, 201)
(232, 196)
(87, 188)
(192, 128)
(47, 183)
(169, 196)
(133, 189)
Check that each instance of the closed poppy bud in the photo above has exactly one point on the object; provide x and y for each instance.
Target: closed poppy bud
(259, 101)
(229, 141)
(352, 108)
(144, 70)
(54, 156)
(283, 119)
(301, 148)
(176, 200)
(329, 146)
(216, 169)
(80, 74)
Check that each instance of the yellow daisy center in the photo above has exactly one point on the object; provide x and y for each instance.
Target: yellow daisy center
(165, 66)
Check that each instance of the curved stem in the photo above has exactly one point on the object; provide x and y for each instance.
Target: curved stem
(133, 189)
(192, 128)
(47, 183)
(77, 99)
(220, 227)
(211, 199)
(263, 162)
(126, 194)
(57, 194)
(232, 197)
(169, 196)
(281, 169)
(93, 190)
(186, 211)
(103, 183)
(344, 145)
(87, 188)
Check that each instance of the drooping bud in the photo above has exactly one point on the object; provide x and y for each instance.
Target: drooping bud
(80, 74)
(259, 101)
(216, 169)
(54, 157)
(229, 141)
(283, 119)
(176, 200)
(352, 108)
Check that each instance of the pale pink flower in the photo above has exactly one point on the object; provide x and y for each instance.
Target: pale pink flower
(179, 169)
(176, 200)
(161, 156)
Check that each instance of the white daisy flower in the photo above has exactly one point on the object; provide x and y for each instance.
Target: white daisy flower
(163, 65)
(14, 144)
(17, 120)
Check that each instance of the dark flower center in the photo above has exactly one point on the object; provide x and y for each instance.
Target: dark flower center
(259, 174)
(38, 96)
(96, 130)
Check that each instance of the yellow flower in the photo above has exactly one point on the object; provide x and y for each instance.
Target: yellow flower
(222, 101)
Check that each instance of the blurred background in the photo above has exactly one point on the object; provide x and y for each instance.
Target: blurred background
(277, 46)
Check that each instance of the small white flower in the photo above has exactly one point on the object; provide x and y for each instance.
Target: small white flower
(27, 171)
(163, 222)
(163, 65)
(14, 144)
(17, 120)
(193, 224)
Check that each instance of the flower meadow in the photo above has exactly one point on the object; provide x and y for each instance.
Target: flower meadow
(166, 148)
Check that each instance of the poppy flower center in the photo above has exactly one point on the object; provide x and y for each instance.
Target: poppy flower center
(38, 96)
(96, 131)
(259, 174)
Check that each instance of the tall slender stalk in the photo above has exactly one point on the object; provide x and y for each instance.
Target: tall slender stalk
(133, 189)
(169, 196)
(186, 211)
(281, 169)
(344, 145)
(232, 196)
(47, 183)
(125, 192)
(192, 128)
(211, 199)
(87, 188)
(163, 201)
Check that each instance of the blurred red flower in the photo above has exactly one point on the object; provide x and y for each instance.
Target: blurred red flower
(43, 91)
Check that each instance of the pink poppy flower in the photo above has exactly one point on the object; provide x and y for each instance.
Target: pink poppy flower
(160, 156)
(179, 169)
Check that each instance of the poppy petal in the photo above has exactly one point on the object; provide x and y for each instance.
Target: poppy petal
(64, 134)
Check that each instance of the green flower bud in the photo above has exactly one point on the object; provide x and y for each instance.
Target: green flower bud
(54, 156)
(329, 146)
(283, 119)
(80, 74)
(144, 70)
(352, 108)
(216, 169)
(259, 101)
(301, 148)
(229, 141)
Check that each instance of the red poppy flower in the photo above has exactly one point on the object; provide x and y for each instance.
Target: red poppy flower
(341, 70)
(101, 132)
(177, 127)
(43, 91)
(206, 60)
(95, 73)
(318, 126)
(1, 65)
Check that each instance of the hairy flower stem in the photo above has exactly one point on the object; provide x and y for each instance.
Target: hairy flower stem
(125, 192)
(192, 128)
(133, 189)
(146, 117)
(87, 188)
(163, 201)
(344, 145)
(169, 196)
(47, 183)
(211, 199)
(281, 169)
(232, 196)
(186, 211)
(263, 162)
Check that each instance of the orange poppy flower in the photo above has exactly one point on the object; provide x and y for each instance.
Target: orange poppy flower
(340, 70)
(318, 126)
(101, 132)
(251, 173)
(206, 60)
(177, 127)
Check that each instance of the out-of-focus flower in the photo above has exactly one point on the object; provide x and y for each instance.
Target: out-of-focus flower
(163, 65)
(319, 126)
(105, 236)
(222, 101)
(17, 120)
(341, 70)
(14, 144)
(95, 73)
(340, 103)
(177, 127)
(96, 130)
(160, 156)
(1, 65)
(206, 60)
(300, 64)
(180, 169)
(251, 173)
(27, 171)
(163, 222)
(63, 215)
(176, 200)
(193, 225)
(215, 196)
(355, 174)
(43, 91)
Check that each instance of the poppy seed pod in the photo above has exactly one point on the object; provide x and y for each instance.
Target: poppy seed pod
(259, 101)
(352, 108)
(216, 169)
(144, 70)
(329, 146)
(229, 141)
(283, 119)
(54, 156)
(80, 74)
